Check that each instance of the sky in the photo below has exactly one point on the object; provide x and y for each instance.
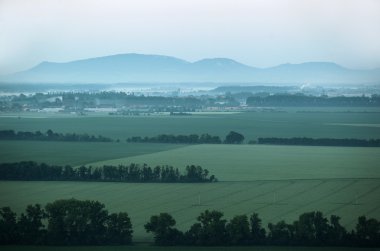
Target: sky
(259, 33)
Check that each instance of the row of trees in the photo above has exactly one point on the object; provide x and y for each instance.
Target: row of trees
(29, 170)
(319, 142)
(69, 222)
(231, 138)
(49, 135)
(311, 229)
(178, 139)
(76, 222)
(305, 100)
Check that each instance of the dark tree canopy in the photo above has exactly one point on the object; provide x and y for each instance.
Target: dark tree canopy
(234, 138)
(238, 230)
(8, 226)
(258, 233)
(30, 226)
(51, 136)
(76, 222)
(69, 222)
(301, 100)
(162, 227)
(319, 142)
(29, 170)
(178, 139)
(310, 229)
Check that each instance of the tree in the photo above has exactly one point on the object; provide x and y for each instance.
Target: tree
(30, 226)
(336, 233)
(258, 234)
(119, 229)
(280, 233)
(368, 231)
(213, 228)
(162, 227)
(193, 234)
(311, 228)
(234, 138)
(8, 226)
(238, 230)
(76, 222)
(50, 133)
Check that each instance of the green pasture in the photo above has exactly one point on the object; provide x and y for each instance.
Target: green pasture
(273, 200)
(153, 248)
(251, 124)
(258, 162)
(72, 153)
(278, 182)
(226, 162)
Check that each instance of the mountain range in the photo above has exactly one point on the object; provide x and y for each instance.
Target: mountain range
(141, 68)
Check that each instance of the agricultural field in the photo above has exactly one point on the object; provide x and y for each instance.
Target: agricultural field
(278, 182)
(287, 123)
(73, 153)
(261, 162)
(273, 200)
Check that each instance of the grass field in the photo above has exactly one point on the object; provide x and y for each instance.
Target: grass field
(227, 162)
(251, 124)
(152, 248)
(273, 200)
(73, 153)
(278, 182)
(257, 162)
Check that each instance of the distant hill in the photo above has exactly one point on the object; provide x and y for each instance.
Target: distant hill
(140, 68)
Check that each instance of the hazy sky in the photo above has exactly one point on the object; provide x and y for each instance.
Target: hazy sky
(259, 33)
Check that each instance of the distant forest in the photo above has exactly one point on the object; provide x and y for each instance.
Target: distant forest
(178, 139)
(77, 222)
(29, 170)
(318, 142)
(49, 135)
(231, 138)
(318, 101)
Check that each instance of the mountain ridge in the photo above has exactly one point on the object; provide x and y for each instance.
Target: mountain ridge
(142, 68)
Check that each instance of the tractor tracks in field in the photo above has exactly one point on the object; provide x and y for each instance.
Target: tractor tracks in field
(355, 203)
(323, 197)
(223, 196)
(348, 182)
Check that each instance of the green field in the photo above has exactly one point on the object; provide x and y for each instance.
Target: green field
(260, 162)
(152, 248)
(273, 200)
(251, 124)
(278, 182)
(227, 162)
(73, 153)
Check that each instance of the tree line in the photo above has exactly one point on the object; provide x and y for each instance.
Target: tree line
(310, 229)
(306, 100)
(85, 222)
(231, 138)
(49, 135)
(29, 170)
(69, 222)
(319, 142)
